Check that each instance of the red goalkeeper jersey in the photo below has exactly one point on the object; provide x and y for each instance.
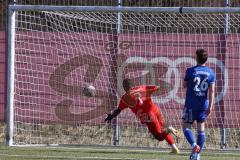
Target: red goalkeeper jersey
(138, 99)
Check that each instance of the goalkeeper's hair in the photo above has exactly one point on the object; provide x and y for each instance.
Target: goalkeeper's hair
(127, 84)
(202, 56)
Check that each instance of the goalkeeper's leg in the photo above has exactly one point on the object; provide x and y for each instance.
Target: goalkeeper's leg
(155, 127)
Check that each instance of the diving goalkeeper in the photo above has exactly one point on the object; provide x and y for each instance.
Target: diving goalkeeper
(138, 99)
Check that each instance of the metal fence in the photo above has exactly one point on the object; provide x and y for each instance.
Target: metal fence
(159, 3)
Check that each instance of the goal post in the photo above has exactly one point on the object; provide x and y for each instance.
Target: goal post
(54, 51)
(10, 77)
(125, 9)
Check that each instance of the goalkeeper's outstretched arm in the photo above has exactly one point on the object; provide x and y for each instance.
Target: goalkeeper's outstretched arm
(114, 114)
(127, 84)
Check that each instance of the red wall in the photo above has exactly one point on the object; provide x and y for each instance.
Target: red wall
(2, 73)
(59, 98)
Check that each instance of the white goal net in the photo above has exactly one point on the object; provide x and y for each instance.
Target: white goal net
(57, 53)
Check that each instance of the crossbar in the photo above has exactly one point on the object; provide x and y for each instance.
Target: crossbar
(125, 9)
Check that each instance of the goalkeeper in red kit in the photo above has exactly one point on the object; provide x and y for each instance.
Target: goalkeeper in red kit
(138, 99)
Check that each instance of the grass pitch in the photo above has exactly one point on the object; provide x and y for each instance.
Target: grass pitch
(104, 153)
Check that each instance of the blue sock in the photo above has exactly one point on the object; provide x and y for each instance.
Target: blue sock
(189, 136)
(201, 139)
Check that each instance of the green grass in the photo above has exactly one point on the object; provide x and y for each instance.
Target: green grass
(103, 153)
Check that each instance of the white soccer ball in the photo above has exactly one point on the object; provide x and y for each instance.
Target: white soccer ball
(89, 91)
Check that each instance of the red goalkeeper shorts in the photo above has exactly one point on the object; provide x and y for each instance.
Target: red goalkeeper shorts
(155, 122)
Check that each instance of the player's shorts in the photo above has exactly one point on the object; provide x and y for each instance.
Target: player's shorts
(189, 115)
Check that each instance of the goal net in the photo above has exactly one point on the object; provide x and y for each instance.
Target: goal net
(57, 53)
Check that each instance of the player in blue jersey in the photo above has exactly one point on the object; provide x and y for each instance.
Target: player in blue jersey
(200, 83)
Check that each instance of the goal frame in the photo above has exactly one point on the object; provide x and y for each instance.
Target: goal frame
(12, 9)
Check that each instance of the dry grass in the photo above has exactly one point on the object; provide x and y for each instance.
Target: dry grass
(90, 135)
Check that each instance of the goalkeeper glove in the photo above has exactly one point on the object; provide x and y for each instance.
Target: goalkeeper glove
(109, 118)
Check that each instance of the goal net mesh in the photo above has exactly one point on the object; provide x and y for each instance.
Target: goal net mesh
(58, 53)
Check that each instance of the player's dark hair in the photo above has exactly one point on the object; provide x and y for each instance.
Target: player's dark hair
(127, 84)
(202, 56)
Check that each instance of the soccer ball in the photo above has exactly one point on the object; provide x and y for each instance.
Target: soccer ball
(89, 91)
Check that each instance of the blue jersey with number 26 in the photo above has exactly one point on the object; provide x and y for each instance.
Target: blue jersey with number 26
(198, 79)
